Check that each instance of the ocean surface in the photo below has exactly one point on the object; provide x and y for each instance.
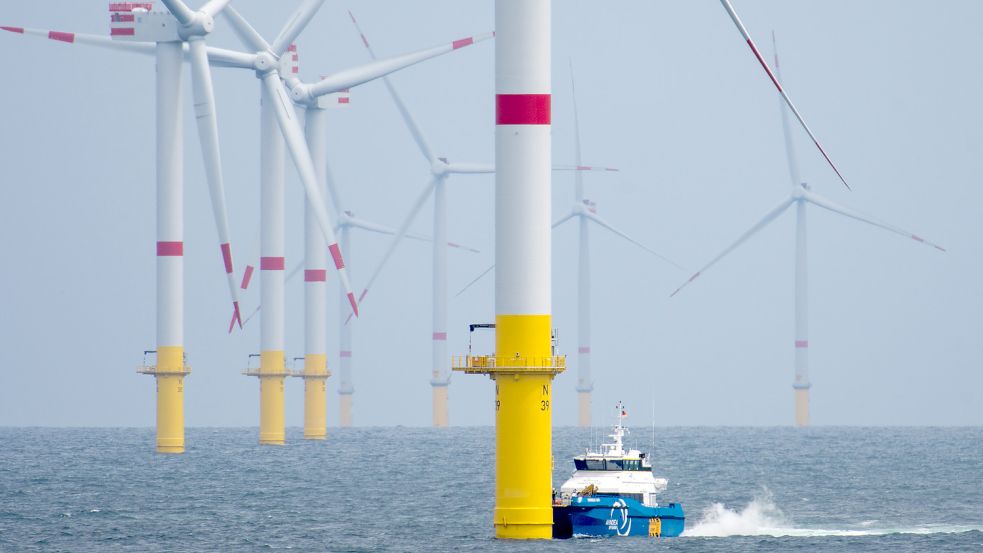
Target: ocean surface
(421, 490)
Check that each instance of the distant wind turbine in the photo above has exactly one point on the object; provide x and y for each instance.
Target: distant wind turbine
(800, 196)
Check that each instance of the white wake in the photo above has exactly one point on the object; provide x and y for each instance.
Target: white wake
(761, 517)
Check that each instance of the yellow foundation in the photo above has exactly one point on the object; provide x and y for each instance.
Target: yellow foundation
(170, 399)
(523, 429)
(315, 396)
(440, 416)
(345, 405)
(271, 375)
(583, 413)
(801, 407)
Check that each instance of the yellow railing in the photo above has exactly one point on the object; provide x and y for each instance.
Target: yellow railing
(483, 364)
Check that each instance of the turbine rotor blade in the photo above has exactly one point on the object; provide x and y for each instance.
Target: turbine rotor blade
(204, 99)
(297, 146)
(565, 218)
(181, 11)
(466, 168)
(214, 7)
(148, 48)
(379, 68)
(246, 33)
(414, 128)
(768, 218)
(774, 80)
(473, 282)
(822, 202)
(793, 165)
(295, 26)
(593, 217)
(586, 168)
(403, 229)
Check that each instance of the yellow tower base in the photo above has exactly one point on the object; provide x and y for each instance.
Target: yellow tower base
(801, 407)
(523, 372)
(271, 373)
(345, 405)
(170, 372)
(315, 377)
(440, 415)
(583, 406)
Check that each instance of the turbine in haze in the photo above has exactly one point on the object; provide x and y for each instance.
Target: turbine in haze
(800, 196)
(440, 170)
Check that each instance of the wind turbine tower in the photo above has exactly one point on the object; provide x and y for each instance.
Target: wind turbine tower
(524, 364)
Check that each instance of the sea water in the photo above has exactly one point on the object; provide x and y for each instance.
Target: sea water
(412, 489)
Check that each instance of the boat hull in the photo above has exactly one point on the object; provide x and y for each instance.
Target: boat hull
(616, 517)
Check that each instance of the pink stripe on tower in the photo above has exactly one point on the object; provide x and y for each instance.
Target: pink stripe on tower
(64, 37)
(345, 353)
(170, 249)
(315, 275)
(339, 263)
(271, 263)
(522, 109)
(583, 349)
(247, 276)
(439, 335)
(227, 257)
(802, 343)
(462, 43)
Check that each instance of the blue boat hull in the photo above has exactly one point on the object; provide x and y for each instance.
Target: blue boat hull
(616, 516)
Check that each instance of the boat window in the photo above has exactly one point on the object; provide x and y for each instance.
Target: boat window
(595, 464)
(636, 496)
(615, 464)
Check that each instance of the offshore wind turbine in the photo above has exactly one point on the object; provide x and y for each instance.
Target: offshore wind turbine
(585, 212)
(315, 99)
(170, 37)
(440, 170)
(801, 195)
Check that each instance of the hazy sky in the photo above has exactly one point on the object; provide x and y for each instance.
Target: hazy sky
(667, 92)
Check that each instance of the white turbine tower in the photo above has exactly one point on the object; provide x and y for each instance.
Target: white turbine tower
(440, 170)
(315, 99)
(800, 196)
(164, 35)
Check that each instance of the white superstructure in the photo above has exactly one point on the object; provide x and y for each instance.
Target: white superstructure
(614, 471)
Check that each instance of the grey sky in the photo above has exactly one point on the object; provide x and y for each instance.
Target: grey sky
(667, 92)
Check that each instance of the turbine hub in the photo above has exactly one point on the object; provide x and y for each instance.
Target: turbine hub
(200, 26)
(264, 61)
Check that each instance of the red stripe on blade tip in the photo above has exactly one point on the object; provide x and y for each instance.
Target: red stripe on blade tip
(522, 109)
(462, 43)
(339, 263)
(170, 249)
(227, 257)
(271, 263)
(247, 276)
(14, 29)
(63, 37)
(351, 300)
